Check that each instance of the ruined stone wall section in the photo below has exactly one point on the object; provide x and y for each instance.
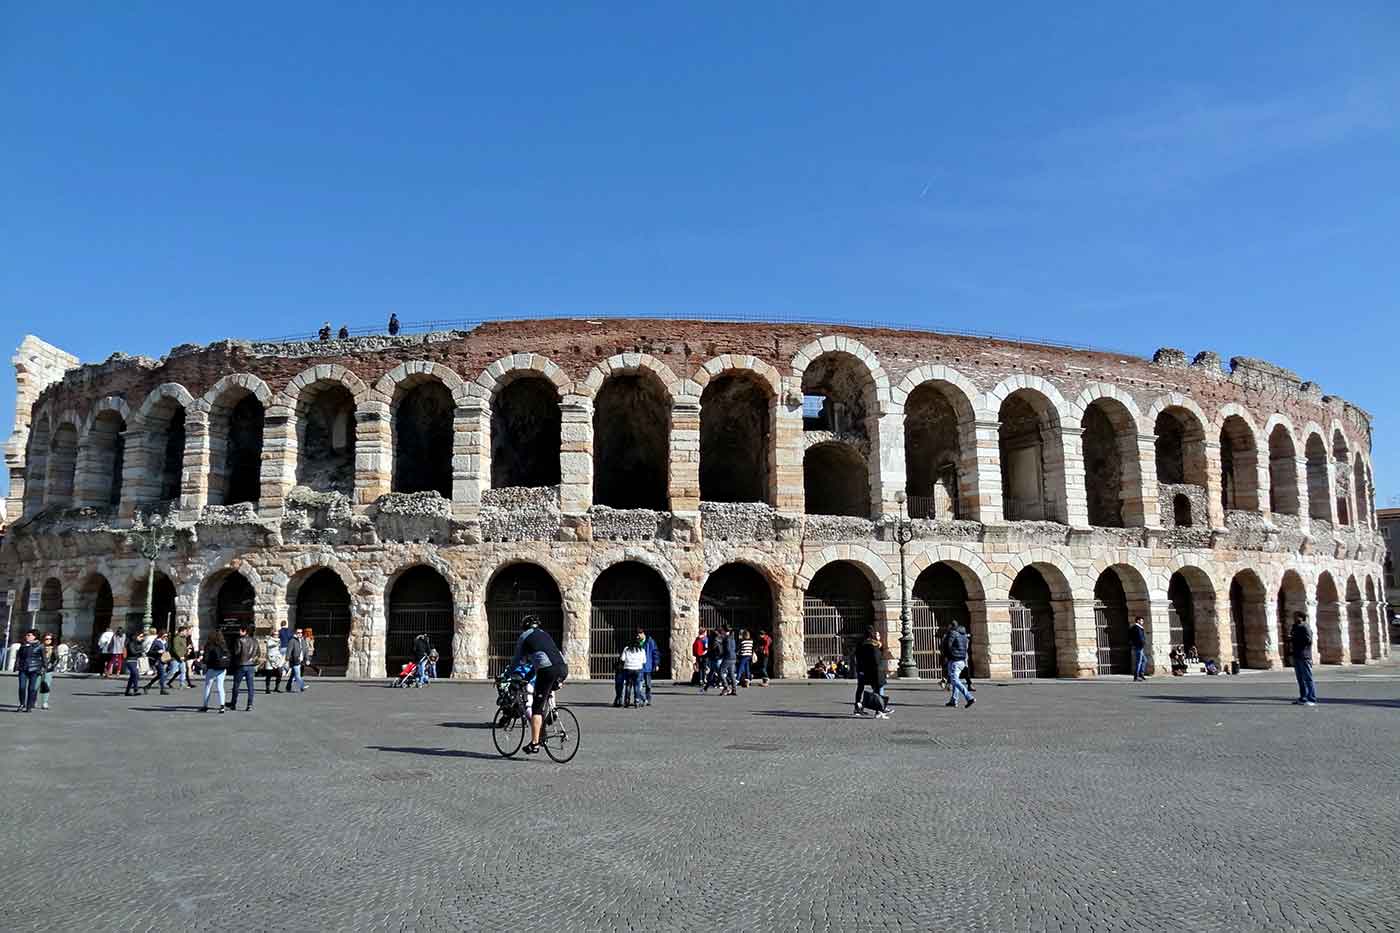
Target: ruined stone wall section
(38, 365)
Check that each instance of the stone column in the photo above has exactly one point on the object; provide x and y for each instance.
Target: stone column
(194, 468)
(789, 494)
(1215, 511)
(1224, 633)
(1300, 467)
(684, 479)
(983, 489)
(14, 504)
(789, 653)
(684, 626)
(577, 629)
(138, 483)
(471, 459)
(279, 461)
(575, 455)
(994, 650)
(1311, 602)
(1076, 645)
(373, 453)
(1075, 506)
(1140, 505)
(887, 456)
(1159, 638)
(470, 643)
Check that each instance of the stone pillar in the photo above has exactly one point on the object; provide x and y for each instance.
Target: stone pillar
(1159, 638)
(684, 626)
(1300, 467)
(576, 455)
(471, 460)
(789, 653)
(368, 629)
(1140, 505)
(577, 628)
(194, 468)
(1215, 511)
(1311, 602)
(684, 479)
(14, 504)
(1075, 506)
(1224, 626)
(1077, 644)
(1332, 491)
(887, 461)
(279, 461)
(789, 494)
(470, 642)
(374, 444)
(983, 484)
(994, 652)
(138, 483)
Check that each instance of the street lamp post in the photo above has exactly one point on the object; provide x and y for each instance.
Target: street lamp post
(903, 534)
(153, 541)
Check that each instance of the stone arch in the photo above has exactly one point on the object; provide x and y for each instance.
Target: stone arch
(845, 392)
(236, 408)
(1182, 465)
(112, 403)
(850, 346)
(321, 596)
(936, 602)
(290, 396)
(245, 602)
(1376, 635)
(60, 483)
(1341, 475)
(1241, 484)
(1356, 622)
(633, 420)
(870, 563)
(102, 454)
(625, 597)
(1282, 441)
(1121, 594)
(1031, 443)
(495, 377)
(1114, 472)
(1331, 646)
(422, 399)
(154, 471)
(1041, 602)
(761, 371)
(629, 364)
(739, 399)
(1249, 619)
(940, 441)
(1192, 618)
(518, 587)
(424, 595)
(1291, 596)
(321, 431)
(1319, 474)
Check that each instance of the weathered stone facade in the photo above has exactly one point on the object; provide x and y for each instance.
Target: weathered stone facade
(627, 465)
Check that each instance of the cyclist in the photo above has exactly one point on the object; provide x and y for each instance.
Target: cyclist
(536, 648)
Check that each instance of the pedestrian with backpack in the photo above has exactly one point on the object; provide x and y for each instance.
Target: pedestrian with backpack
(955, 652)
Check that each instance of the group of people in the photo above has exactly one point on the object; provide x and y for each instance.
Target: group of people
(729, 659)
(344, 333)
(35, 663)
(635, 665)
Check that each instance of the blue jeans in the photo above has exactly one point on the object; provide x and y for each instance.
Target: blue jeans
(244, 673)
(645, 686)
(175, 668)
(743, 671)
(422, 672)
(1302, 669)
(955, 682)
(1139, 662)
(28, 689)
(213, 678)
(295, 678)
(133, 675)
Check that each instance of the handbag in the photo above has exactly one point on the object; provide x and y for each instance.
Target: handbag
(43, 686)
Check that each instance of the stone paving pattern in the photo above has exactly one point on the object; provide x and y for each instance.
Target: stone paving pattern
(1204, 804)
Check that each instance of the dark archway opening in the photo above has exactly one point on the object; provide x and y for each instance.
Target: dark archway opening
(1319, 486)
(938, 601)
(835, 481)
(1283, 473)
(1032, 468)
(423, 442)
(1181, 612)
(838, 608)
(326, 438)
(628, 598)
(1341, 478)
(234, 606)
(1356, 623)
(738, 596)
(517, 592)
(102, 603)
(932, 454)
(1249, 622)
(1111, 624)
(734, 440)
(1032, 626)
(420, 603)
(106, 459)
(1181, 511)
(1329, 621)
(1103, 467)
(1292, 597)
(1239, 475)
(631, 443)
(235, 467)
(525, 429)
(63, 466)
(49, 618)
(323, 605)
(168, 442)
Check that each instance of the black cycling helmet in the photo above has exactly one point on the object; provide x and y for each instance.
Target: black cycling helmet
(530, 622)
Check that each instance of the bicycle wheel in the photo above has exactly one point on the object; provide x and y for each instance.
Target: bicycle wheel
(508, 732)
(561, 737)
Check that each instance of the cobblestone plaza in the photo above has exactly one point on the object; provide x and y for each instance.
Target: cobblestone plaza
(1196, 804)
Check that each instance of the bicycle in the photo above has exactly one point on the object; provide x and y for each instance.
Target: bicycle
(510, 728)
(72, 661)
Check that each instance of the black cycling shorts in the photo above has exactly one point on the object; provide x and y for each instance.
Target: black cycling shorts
(546, 679)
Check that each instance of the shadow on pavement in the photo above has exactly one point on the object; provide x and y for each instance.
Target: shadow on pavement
(465, 725)
(1273, 701)
(798, 714)
(436, 752)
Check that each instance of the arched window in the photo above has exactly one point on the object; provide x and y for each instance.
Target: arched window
(934, 458)
(735, 437)
(632, 443)
(1032, 459)
(423, 439)
(325, 428)
(235, 448)
(1283, 472)
(835, 481)
(525, 429)
(1239, 466)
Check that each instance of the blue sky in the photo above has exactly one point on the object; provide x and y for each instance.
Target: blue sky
(1208, 176)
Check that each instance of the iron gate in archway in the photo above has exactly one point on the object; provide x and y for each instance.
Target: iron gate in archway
(928, 621)
(614, 623)
(409, 620)
(1032, 640)
(832, 628)
(505, 620)
(1115, 655)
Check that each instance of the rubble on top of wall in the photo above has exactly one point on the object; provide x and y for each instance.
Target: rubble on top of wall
(1261, 374)
(1029, 532)
(611, 524)
(413, 516)
(1176, 539)
(521, 497)
(371, 343)
(1208, 361)
(324, 508)
(1118, 537)
(738, 521)
(1170, 356)
(240, 513)
(837, 528)
(1248, 530)
(945, 529)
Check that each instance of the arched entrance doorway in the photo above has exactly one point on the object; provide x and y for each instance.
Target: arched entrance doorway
(96, 603)
(1115, 653)
(1329, 620)
(1292, 597)
(1249, 620)
(1181, 612)
(233, 605)
(420, 603)
(1356, 622)
(939, 600)
(627, 598)
(49, 618)
(838, 608)
(1032, 626)
(516, 592)
(738, 596)
(322, 603)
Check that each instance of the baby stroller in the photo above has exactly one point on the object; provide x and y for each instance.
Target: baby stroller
(408, 677)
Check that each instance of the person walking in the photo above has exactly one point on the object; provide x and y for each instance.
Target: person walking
(728, 659)
(180, 657)
(650, 666)
(118, 656)
(714, 650)
(245, 663)
(699, 649)
(29, 666)
(269, 663)
(216, 662)
(295, 653)
(869, 665)
(393, 324)
(308, 640)
(284, 637)
(744, 671)
(422, 647)
(104, 651)
(1137, 638)
(764, 652)
(159, 656)
(136, 650)
(955, 652)
(49, 650)
(1301, 638)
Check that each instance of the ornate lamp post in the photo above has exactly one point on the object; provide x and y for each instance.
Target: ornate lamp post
(903, 534)
(152, 542)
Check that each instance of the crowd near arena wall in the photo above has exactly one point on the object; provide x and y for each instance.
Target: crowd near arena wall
(616, 474)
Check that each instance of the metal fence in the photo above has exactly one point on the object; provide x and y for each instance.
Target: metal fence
(409, 620)
(1111, 628)
(921, 507)
(927, 620)
(330, 624)
(614, 623)
(1032, 640)
(832, 628)
(504, 623)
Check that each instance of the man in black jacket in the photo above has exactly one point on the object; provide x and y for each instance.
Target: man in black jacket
(955, 653)
(1302, 641)
(29, 665)
(245, 664)
(1137, 638)
(422, 647)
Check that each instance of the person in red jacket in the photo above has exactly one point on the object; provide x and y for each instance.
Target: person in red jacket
(763, 650)
(698, 649)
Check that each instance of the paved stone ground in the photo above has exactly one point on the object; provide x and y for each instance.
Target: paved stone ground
(1203, 804)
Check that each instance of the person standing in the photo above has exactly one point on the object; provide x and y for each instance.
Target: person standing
(160, 658)
(308, 639)
(29, 666)
(393, 324)
(1300, 636)
(216, 662)
(422, 647)
(714, 661)
(955, 652)
(118, 655)
(651, 666)
(764, 653)
(179, 657)
(245, 663)
(343, 333)
(728, 659)
(1137, 638)
(632, 659)
(699, 650)
(104, 651)
(743, 672)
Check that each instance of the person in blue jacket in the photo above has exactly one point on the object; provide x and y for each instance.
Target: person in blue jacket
(649, 667)
(1137, 638)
